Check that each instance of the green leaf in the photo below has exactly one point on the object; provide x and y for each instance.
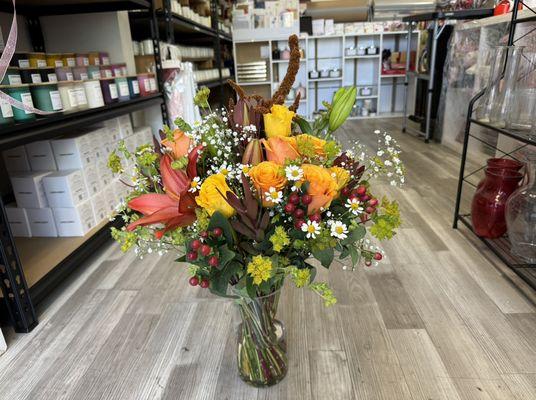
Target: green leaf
(304, 125)
(220, 280)
(181, 258)
(226, 256)
(218, 220)
(324, 256)
(354, 253)
(183, 125)
(356, 235)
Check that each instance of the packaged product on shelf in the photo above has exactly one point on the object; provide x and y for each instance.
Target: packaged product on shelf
(100, 208)
(37, 60)
(133, 86)
(105, 175)
(72, 153)
(12, 77)
(74, 221)
(122, 88)
(64, 73)
(91, 179)
(82, 59)
(93, 72)
(41, 222)
(65, 188)
(46, 97)
(81, 97)
(28, 189)
(125, 126)
(80, 73)
(16, 159)
(104, 58)
(106, 71)
(20, 60)
(6, 113)
(94, 58)
(22, 94)
(54, 60)
(68, 59)
(109, 91)
(93, 93)
(109, 197)
(41, 156)
(68, 95)
(18, 221)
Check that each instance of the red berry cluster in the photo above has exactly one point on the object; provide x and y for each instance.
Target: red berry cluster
(297, 206)
(360, 193)
(196, 247)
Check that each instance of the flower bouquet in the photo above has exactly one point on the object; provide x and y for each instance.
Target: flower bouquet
(249, 195)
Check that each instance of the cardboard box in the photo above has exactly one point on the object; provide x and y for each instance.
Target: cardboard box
(73, 153)
(105, 174)
(65, 188)
(40, 156)
(74, 221)
(41, 221)
(112, 130)
(28, 189)
(16, 159)
(109, 198)
(100, 207)
(92, 179)
(125, 126)
(18, 221)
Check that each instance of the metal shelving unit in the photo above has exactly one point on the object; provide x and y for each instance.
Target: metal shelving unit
(436, 18)
(19, 298)
(500, 246)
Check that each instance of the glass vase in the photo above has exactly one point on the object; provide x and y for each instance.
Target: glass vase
(489, 202)
(521, 110)
(497, 57)
(521, 215)
(262, 357)
(502, 103)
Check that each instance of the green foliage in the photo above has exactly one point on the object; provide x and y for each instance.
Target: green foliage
(182, 125)
(169, 133)
(301, 277)
(181, 163)
(324, 256)
(218, 220)
(201, 97)
(323, 290)
(304, 125)
(386, 220)
(203, 219)
(114, 163)
(332, 150)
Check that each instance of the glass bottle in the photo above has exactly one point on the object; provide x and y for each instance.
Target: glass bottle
(489, 202)
(521, 215)
(502, 103)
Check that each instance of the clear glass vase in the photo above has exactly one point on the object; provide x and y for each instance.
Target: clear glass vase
(497, 58)
(504, 99)
(521, 215)
(523, 103)
(262, 357)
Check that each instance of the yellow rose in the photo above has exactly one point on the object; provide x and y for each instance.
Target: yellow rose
(267, 175)
(322, 186)
(211, 195)
(342, 176)
(278, 121)
(310, 145)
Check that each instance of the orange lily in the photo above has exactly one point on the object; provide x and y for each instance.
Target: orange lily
(179, 145)
(175, 208)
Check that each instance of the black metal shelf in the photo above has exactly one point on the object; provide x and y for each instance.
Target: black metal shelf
(57, 124)
(65, 7)
(521, 136)
(454, 15)
(214, 82)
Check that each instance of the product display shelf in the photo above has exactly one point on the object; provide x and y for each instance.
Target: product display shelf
(501, 246)
(60, 123)
(19, 301)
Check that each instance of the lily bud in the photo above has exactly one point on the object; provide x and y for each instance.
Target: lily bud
(253, 153)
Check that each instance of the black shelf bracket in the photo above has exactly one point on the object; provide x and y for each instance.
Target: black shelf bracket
(13, 283)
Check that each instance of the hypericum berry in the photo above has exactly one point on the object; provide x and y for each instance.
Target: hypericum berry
(368, 263)
(361, 190)
(289, 208)
(217, 232)
(370, 210)
(378, 256)
(213, 261)
(306, 199)
(204, 283)
(315, 217)
(365, 198)
(298, 223)
(196, 244)
(192, 256)
(345, 191)
(204, 234)
(194, 281)
(294, 198)
(205, 250)
(299, 213)
(373, 202)
(353, 196)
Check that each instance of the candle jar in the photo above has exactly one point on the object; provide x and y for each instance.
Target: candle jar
(82, 59)
(104, 58)
(94, 58)
(133, 87)
(109, 91)
(12, 77)
(81, 97)
(80, 73)
(122, 88)
(37, 60)
(64, 74)
(93, 92)
(6, 112)
(106, 71)
(30, 75)
(69, 59)
(489, 202)
(21, 93)
(144, 84)
(93, 72)
(68, 96)
(46, 97)
(54, 60)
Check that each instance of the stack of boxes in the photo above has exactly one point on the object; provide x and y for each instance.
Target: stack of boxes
(63, 187)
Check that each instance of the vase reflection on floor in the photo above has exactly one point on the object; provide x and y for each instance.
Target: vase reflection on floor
(521, 215)
(262, 358)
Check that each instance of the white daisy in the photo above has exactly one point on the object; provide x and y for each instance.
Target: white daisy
(293, 173)
(274, 196)
(195, 185)
(339, 230)
(354, 206)
(312, 228)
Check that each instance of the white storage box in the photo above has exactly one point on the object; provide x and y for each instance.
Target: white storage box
(125, 126)
(100, 207)
(105, 174)
(74, 221)
(41, 221)
(91, 179)
(28, 189)
(16, 159)
(109, 198)
(65, 188)
(40, 156)
(318, 27)
(18, 221)
(112, 130)
(73, 153)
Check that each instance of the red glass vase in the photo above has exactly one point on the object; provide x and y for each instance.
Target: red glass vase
(489, 203)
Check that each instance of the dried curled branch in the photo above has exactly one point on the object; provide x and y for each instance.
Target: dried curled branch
(296, 103)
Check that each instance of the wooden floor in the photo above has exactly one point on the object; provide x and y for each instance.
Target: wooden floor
(437, 320)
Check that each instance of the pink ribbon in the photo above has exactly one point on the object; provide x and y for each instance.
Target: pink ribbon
(7, 55)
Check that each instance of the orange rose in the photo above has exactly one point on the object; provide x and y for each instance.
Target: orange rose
(308, 144)
(180, 144)
(280, 149)
(267, 175)
(322, 186)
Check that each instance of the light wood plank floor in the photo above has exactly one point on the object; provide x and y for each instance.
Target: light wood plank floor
(437, 320)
